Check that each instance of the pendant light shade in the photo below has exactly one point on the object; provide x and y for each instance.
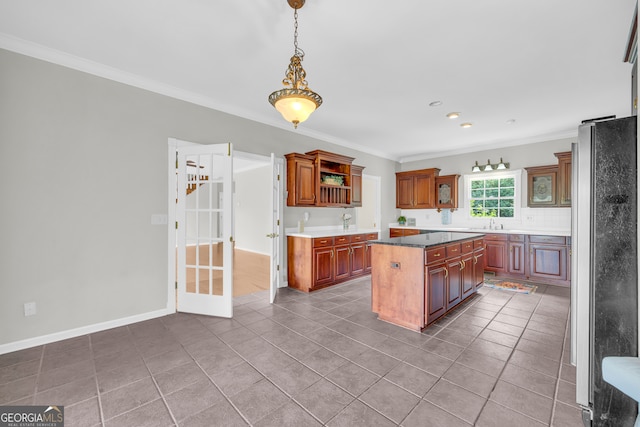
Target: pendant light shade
(296, 101)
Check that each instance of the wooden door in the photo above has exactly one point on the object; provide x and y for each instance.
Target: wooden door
(454, 282)
(496, 256)
(323, 266)
(404, 192)
(548, 261)
(358, 258)
(356, 185)
(468, 275)
(516, 258)
(436, 293)
(423, 191)
(342, 262)
(478, 267)
(305, 182)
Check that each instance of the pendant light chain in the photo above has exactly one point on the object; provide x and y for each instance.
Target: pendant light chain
(297, 51)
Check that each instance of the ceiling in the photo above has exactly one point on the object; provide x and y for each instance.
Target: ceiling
(378, 65)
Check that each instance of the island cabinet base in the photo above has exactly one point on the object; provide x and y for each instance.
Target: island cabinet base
(397, 285)
(414, 286)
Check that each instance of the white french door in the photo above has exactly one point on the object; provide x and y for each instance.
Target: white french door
(277, 169)
(204, 216)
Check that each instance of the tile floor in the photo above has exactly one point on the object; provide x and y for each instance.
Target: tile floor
(501, 359)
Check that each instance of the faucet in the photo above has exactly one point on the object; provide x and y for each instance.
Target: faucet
(492, 225)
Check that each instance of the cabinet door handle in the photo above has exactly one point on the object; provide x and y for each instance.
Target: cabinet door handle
(331, 253)
(461, 265)
(475, 260)
(446, 272)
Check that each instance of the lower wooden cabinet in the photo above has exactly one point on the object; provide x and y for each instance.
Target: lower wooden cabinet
(413, 286)
(529, 257)
(435, 302)
(315, 263)
(517, 253)
(548, 258)
(496, 259)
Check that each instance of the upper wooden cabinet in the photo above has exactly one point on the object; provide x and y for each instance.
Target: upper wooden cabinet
(356, 185)
(564, 178)
(542, 186)
(321, 178)
(416, 189)
(447, 192)
(301, 183)
(550, 186)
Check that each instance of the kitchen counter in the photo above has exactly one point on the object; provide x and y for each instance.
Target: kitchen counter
(545, 232)
(329, 232)
(428, 239)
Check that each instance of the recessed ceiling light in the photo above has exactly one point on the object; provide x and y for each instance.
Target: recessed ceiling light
(453, 115)
(466, 125)
(511, 121)
(435, 104)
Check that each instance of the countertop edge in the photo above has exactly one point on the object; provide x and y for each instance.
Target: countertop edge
(564, 233)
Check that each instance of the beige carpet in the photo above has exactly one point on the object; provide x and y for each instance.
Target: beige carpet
(250, 271)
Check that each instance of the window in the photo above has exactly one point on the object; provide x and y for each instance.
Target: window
(493, 195)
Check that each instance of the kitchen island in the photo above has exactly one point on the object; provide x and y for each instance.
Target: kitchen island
(417, 279)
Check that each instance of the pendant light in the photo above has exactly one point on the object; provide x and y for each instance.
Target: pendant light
(296, 101)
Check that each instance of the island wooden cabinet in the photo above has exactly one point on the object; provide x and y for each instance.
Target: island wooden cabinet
(315, 263)
(413, 287)
(478, 262)
(436, 275)
(416, 189)
(469, 263)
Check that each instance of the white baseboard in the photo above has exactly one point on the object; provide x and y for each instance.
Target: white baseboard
(251, 250)
(84, 330)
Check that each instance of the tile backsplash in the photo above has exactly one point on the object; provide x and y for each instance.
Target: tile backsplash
(530, 219)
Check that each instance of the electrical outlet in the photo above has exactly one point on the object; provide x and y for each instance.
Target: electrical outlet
(29, 308)
(426, 216)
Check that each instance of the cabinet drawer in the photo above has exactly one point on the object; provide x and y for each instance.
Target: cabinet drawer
(435, 255)
(372, 236)
(411, 231)
(467, 247)
(358, 237)
(478, 244)
(516, 237)
(453, 250)
(396, 232)
(553, 240)
(496, 236)
(322, 241)
(341, 240)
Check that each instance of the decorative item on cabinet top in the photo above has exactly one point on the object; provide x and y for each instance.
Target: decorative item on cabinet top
(323, 179)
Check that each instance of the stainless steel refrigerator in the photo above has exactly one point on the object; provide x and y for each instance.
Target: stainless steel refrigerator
(604, 265)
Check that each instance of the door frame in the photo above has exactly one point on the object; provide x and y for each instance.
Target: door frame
(173, 145)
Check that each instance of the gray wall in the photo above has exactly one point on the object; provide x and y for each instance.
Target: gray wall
(84, 166)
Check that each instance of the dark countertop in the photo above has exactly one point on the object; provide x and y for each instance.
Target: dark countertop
(434, 238)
